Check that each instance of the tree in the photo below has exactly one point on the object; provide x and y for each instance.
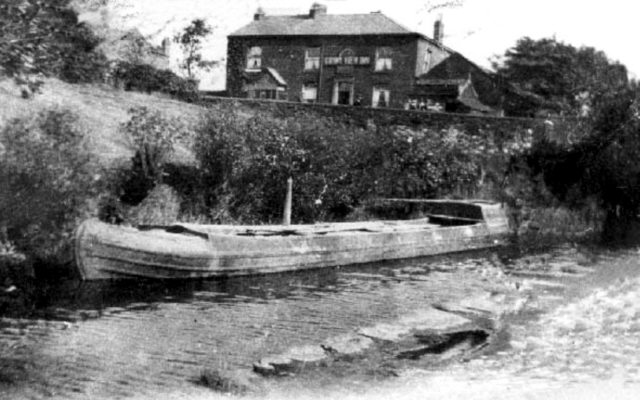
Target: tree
(569, 80)
(44, 37)
(190, 41)
(603, 166)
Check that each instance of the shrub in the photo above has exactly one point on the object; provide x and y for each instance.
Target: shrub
(245, 163)
(146, 78)
(45, 183)
(82, 61)
(153, 137)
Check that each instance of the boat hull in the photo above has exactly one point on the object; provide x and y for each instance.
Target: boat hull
(185, 252)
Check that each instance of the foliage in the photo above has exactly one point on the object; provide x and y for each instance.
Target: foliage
(245, 163)
(45, 182)
(44, 37)
(190, 40)
(153, 137)
(569, 80)
(603, 165)
(146, 78)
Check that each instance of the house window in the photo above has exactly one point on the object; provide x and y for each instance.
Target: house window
(384, 60)
(254, 58)
(426, 62)
(380, 97)
(309, 93)
(312, 59)
(269, 94)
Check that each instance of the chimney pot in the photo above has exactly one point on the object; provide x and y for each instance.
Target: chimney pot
(260, 14)
(166, 47)
(317, 9)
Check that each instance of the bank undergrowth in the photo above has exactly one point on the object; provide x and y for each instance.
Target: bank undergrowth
(51, 181)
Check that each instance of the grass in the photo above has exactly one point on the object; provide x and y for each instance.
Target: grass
(101, 110)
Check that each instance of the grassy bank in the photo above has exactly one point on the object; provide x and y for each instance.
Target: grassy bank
(100, 110)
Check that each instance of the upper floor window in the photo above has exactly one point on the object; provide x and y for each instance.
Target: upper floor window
(426, 61)
(254, 58)
(384, 58)
(312, 58)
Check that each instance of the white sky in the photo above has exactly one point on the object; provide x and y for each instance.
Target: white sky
(479, 29)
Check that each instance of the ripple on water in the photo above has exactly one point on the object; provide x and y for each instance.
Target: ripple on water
(149, 335)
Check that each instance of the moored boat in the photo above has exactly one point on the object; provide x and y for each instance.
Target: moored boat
(184, 251)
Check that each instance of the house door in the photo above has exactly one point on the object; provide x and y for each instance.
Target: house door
(343, 93)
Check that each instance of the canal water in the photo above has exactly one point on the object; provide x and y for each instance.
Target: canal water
(148, 340)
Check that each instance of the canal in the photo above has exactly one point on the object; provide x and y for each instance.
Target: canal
(579, 327)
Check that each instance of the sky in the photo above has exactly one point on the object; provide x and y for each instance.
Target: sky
(479, 29)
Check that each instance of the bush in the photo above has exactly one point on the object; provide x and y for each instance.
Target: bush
(146, 78)
(601, 166)
(245, 163)
(153, 137)
(88, 67)
(83, 62)
(45, 183)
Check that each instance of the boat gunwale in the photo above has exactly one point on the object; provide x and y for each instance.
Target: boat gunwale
(234, 255)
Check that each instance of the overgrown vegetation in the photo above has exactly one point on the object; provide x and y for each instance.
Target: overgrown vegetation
(602, 167)
(245, 163)
(45, 38)
(153, 137)
(46, 184)
(146, 78)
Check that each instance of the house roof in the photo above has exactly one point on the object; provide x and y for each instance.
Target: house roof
(322, 25)
(255, 76)
(276, 75)
(456, 66)
(453, 90)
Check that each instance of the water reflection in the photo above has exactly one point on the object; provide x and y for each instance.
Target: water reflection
(59, 299)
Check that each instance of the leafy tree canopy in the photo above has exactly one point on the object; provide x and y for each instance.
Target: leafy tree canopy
(44, 37)
(569, 80)
(190, 40)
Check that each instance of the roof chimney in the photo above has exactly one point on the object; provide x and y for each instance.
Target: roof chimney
(260, 14)
(438, 31)
(317, 9)
(166, 47)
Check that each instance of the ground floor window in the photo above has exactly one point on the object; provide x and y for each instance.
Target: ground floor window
(380, 97)
(270, 94)
(423, 104)
(309, 93)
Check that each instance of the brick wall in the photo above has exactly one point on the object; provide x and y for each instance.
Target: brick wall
(287, 56)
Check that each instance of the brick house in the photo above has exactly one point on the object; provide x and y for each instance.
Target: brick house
(355, 59)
